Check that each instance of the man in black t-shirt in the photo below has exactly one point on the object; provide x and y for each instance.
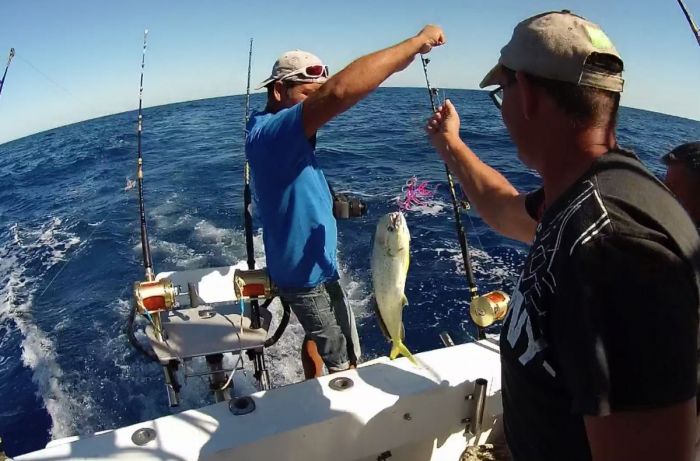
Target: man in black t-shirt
(599, 348)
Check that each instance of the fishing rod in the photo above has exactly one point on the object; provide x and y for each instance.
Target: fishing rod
(492, 306)
(145, 247)
(9, 60)
(691, 23)
(247, 199)
(151, 297)
(461, 235)
(253, 283)
(257, 357)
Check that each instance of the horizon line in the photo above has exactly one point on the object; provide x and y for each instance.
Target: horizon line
(2, 143)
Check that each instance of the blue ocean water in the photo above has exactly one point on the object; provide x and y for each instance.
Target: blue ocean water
(69, 242)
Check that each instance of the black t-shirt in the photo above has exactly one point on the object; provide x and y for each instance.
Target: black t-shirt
(605, 314)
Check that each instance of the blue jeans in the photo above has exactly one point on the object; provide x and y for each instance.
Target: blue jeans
(328, 320)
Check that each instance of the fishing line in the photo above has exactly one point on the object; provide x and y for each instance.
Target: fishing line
(56, 84)
(64, 266)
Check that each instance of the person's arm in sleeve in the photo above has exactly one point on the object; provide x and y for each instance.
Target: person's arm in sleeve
(625, 336)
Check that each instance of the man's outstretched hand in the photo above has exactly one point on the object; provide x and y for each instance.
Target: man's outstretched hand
(432, 36)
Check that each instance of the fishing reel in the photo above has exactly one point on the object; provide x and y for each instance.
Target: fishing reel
(345, 206)
(487, 309)
(155, 296)
(253, 283)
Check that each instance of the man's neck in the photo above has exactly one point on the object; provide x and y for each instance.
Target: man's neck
(567, 156)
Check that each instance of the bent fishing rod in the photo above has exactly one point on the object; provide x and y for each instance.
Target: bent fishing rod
(145, 246)
(247, 198)
(691, 23)
(492, 306)
(146, 250)
(4, 75)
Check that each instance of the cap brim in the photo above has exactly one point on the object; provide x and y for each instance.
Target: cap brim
(320, 80)
(264, 83)
(491, 78)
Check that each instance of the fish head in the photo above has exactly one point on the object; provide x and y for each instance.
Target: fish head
(392, 233)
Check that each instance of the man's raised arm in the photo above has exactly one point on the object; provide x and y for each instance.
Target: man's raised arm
(362, 76)
(495, 198)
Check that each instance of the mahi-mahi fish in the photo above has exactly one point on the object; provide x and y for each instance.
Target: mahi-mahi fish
(389, 264)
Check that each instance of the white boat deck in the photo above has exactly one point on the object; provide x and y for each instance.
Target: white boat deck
(392, 408)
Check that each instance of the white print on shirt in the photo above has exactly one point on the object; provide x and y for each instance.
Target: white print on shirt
(529, 303)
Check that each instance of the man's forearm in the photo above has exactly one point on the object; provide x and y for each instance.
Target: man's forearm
(356, 81)
(480, 181)
(495, 198)
(366, 73)
(362, 76)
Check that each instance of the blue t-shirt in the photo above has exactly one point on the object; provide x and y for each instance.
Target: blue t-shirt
(293, 200)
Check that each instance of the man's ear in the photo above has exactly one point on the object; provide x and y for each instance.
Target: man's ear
(529, 103)
(278, 90)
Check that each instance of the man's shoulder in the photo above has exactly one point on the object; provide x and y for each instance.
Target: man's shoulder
(639, 205)
(258, 120)
(283, 126)
(263, 118)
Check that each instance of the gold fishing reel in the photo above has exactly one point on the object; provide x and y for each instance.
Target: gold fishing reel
(487, 309)
(252, 284)
(155, 296)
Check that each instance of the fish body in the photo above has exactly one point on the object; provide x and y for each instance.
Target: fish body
(389, 264)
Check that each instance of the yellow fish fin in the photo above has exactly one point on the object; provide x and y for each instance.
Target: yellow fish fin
(404, 300)
(397, 348)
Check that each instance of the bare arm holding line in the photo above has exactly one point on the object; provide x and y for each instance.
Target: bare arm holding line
(362, 76)
(495, 198)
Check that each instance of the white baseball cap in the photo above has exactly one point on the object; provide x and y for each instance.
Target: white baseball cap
(297, 66)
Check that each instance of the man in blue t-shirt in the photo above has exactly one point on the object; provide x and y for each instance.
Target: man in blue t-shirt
(292, 196)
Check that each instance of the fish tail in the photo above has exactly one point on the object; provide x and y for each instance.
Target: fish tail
(397, 348)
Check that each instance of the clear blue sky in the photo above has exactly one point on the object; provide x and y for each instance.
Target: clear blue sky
(78, 59)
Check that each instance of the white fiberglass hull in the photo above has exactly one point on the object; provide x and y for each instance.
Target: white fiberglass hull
(392, 408)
